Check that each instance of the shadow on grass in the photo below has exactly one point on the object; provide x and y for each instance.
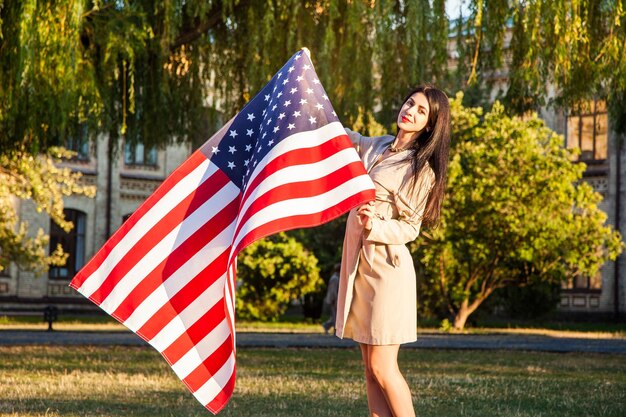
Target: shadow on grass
(157, 404)
(179, 404)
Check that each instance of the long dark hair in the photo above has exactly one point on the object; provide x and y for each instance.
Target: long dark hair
(433, 145)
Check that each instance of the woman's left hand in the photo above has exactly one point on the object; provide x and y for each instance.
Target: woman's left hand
(366, 212)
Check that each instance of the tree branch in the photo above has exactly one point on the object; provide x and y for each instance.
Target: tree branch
(213, 17)
(488, 271)
(201, 28)
(479, 29)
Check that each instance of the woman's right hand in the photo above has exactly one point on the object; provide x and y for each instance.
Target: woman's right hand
(365, 215)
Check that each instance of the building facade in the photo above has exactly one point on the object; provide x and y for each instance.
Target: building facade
(122, 184)
(604, 154)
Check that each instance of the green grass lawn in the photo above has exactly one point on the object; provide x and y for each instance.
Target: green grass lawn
(136, 381)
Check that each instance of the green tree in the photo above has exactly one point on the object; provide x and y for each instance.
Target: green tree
(517, 212)
(274, 272)
(156, 71)
(39, 180)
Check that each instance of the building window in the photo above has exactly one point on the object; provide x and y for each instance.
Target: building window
(73, 243)
(138, 154)
(582, 283)
(588, 131)
(78, 141)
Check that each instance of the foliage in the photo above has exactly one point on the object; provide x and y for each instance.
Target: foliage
(325, 243)
(533, 301)
(517, 212)
(25, 177)
(575, 46)
(273, 272)
(156, 71)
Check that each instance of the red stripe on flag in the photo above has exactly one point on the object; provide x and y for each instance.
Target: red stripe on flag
(178, 257)
(184, 297)
(174, 178)
(305, 220)
(209, 366)
(196, 332)
(302, 189)
(219, 402)
(294, 157)
(168, 223)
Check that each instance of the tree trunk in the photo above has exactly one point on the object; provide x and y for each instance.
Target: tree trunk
(466, 309)
(461, 316)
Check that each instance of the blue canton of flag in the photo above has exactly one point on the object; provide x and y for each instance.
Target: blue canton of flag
(293, 101)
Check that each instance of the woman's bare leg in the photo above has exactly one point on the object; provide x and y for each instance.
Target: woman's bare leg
(383, 365)
(376, 401)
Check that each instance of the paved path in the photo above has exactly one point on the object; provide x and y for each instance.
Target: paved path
(307, 340)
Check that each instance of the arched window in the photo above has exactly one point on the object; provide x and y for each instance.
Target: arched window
(73, 243)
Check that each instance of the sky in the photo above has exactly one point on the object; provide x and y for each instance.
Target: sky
(452, 7)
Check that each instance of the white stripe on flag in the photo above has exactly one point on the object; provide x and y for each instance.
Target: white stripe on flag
(169, 243)
(180, 278)
(301, 173)
(191, 314)
(228, 296)
(300, 206)
(301, 140)
(207, 392)
(202, 350)
(177, 193)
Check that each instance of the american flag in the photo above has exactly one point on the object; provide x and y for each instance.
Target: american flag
(168, 274)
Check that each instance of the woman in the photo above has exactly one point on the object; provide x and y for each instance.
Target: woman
(376, 304)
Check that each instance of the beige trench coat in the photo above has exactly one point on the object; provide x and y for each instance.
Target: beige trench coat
(377, 289)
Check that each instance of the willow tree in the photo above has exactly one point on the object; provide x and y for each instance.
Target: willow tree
(159, 71)
(576, 46)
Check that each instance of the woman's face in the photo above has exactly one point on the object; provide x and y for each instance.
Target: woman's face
(413, 116)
